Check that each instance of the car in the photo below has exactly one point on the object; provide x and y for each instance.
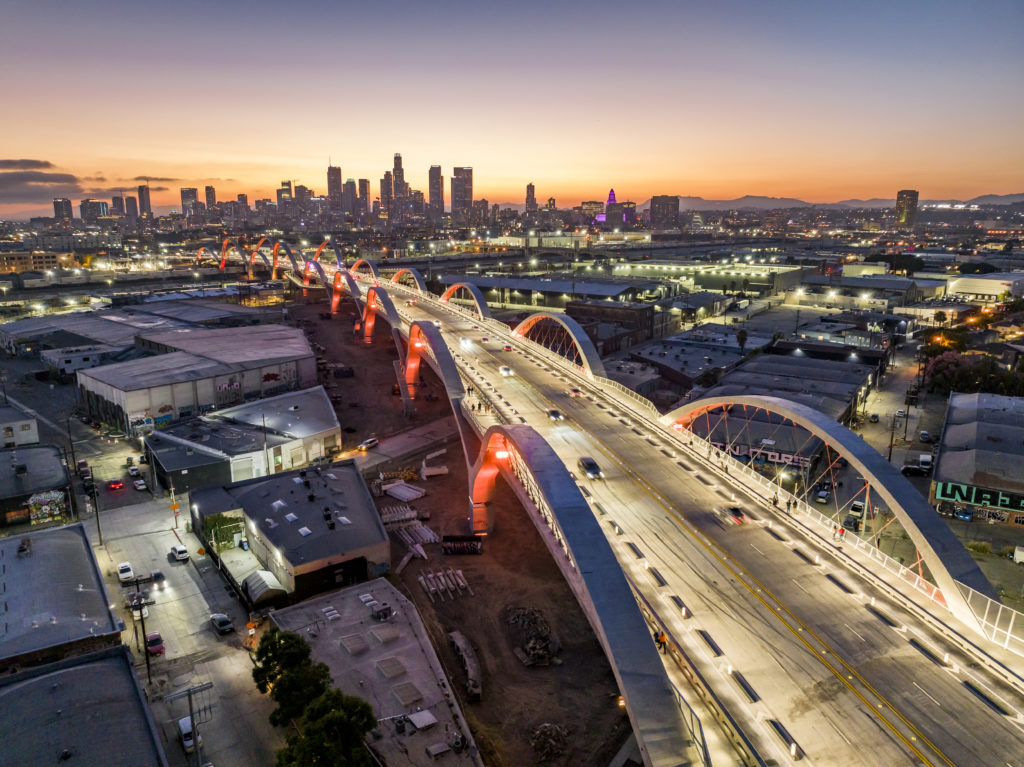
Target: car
(88, 485)
(574, 392)
(851, 523)
(914, 470)
(84, 419)
(925, 437)
(825, 484)
(125, 572)
(505, 370)
(154, 643)
(140, 484)
(186, 735)
(130, 461)
(484, 340)
(857, 509)
(221, 623)
(134, 471)
(823, 496)
(507, 347)
(437, 323)
(94, 425)
(901, 413)
(732, 515)
(589, 467)
(115, 484)
(179, 552)
(82, 467)
(873, 418)
(555, 415)
(137, 604)
(368, 444)
(158, 579)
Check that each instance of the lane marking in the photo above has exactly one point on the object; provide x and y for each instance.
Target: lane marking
(927, 695)
(855, 633)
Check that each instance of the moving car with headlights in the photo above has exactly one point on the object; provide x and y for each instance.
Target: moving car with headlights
(505, 370)
(555, 415)
(589, 467)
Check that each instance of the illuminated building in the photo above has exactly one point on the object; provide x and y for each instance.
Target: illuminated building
(211, 197)
(462, 194)
(906, 208)
(189, 198)
(62, 209)
(435, 190)
(400, 188)
(117, 206)
(363, 201)
(387, 190)
(348, 198)
(334, 187)
(665, 211)
(131, 208)
(90, 209)
(531, 199)
(145, 206)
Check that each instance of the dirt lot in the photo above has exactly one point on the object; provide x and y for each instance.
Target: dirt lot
(577, 691)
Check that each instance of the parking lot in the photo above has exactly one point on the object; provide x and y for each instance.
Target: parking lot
(233, 715)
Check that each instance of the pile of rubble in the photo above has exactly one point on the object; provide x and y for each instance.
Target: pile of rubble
(549, 741)
(533, 641)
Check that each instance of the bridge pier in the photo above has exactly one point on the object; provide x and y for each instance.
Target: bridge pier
(480, 522)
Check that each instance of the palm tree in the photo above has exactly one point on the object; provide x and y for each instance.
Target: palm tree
(741, 338)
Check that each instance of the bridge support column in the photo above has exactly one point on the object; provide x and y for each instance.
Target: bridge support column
(479, 520)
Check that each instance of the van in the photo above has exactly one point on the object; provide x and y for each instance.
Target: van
(857, 509)
(81, 467)
(186, 735)
(925, 461)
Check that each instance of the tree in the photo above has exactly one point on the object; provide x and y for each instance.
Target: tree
(333, 735)
(741, 338)
(732, 285)
(977, 267)
(295, 688)
(941, 318)
(277, 653)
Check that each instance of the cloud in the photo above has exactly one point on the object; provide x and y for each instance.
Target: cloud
(94, 179)
(22, 186)
(152, 178)
(25, 164)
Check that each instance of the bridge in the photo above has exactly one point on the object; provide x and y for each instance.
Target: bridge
(783, 642)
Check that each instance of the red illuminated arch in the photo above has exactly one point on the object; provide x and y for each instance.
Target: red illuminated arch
(590, 359)
(482, 309)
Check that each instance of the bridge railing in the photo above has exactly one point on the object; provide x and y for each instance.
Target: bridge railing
(1002, 625)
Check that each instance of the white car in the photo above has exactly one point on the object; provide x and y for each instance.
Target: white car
(125, 572)
(179, 552)
(505, 370)
(368, 444)
(140, 484)
(133, 471)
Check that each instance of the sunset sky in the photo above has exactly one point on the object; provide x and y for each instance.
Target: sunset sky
(817, 100)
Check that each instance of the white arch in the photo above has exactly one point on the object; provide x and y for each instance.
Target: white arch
(588, 352)
(947, 559)
(478, 297)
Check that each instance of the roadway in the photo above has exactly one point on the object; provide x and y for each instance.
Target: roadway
(845, 669)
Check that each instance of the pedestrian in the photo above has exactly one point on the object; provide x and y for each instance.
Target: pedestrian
(835, 531)
(842, 533)
(775, 500)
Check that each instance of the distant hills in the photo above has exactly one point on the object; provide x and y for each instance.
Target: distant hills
(758, 202)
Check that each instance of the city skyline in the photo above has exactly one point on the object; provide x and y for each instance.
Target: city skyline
(819, 104)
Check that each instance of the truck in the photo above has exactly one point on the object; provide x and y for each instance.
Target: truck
(1018, 555)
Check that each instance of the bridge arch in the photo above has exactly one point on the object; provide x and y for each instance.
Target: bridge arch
(372, 267)
(595, 577)
(227, 245)
(322, 276)
(589, 359)
(343, 279)
(482, 308)
(421, 284)
(337, 252)
(948, 561)
(370, 309)
(423, 336)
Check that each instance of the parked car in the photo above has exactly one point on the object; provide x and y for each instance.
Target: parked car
(179, 552)
(914, 470)
(82, 467)
(154, 643)
(140, 484)
(851, 523)
(186, 735)
(823, 496)
(125, 572)
(221, 623)
(925, 436)
(507, 348)
(134, 471)
(873, 418)
(368, 444)
(130, 461)
(901, 413)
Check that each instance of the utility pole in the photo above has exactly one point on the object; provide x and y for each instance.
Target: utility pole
(892, 436)
(192, 715)
(96, 511)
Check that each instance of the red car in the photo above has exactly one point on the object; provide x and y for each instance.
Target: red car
(115, 484)
(154, 643)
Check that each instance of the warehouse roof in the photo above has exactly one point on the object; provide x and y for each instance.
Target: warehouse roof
(578, 287)
(43, 470)
(256, 343)
(983, 442)
(301, 413)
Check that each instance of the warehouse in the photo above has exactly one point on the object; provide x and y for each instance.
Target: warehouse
(195, 371)
(312, 530)
(34, 486)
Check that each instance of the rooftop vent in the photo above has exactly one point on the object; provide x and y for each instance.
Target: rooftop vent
(269, 522)
(278, 505)
(290, 517)
(304, 531)
(311, 497)
(293, 407)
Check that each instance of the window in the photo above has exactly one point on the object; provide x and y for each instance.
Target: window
(8, 431)
(26, 427)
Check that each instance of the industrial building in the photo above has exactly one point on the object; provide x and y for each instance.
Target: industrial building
(979, 457)
(195, 371)
(311, 530)
(751, 278)
(35, 488)
(556, 292)
(264, 437)
(17, 427)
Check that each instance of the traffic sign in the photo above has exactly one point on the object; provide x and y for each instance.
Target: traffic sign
(174, 507)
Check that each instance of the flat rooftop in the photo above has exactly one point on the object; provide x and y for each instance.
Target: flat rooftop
(579, 286)
(391, 664)
(279, 506)
(301, 413)
(53, 593)
(195, 310)
(44, 470)
(261, 344)
(159, 370)
(10, 414)
(105, 326)
(90, 706)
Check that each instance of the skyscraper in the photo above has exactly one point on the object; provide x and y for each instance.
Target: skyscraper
(334, 188)
(363, 201)
(131, 208)
(531, 199)
(386, 191)
(117, 205)
(189, 197)
(243, 201)
(665, 211)
(348, 197)
(90, 209)
(145, 207)
(435, 190)
(401, 189)
(62, 209)
(906, 208)
(462, 194)
(211, 197)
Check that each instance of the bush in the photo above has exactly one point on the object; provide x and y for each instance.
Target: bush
(979, 547)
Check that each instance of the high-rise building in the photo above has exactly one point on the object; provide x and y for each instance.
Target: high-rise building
(363, 201)
(348, 197)
(551, 204)
(462, 194)
(302, 194)
(90, 209)
(131, 208)
(334, 188)
(287, 186)
(592, 209)
(189, 198)
(435, 190)
(211, 197)
(62, 209)
(145, 206)
(386, 191)
(243, 201)
(665, 211)
(906, 208)
(284, 197)
(117, 205)
(401, 189)
(531, 199)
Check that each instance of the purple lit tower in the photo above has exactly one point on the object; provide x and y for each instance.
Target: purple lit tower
(601, 218)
